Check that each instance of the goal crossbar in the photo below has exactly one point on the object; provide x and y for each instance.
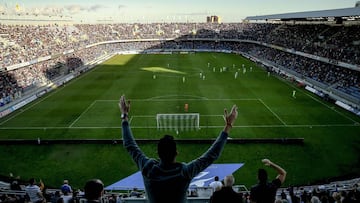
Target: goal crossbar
(178, 121)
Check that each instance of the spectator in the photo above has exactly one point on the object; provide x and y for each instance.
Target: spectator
(264, 191)
(8, 198)
(94, 189)
(315, 199)
(283, 195)
(75, 197)
(337, 197)
(55, 198)
(15, 185)
(293, 197)
(34, 192)
(167, 180)
(66, 196)
(216, 184)
(66, 187)
(226, 193)
(356, 190)
(113, 198)
(135, 193)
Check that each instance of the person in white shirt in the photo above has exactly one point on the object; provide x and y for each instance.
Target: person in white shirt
(34, 192)
(66, 196)
(216, 184)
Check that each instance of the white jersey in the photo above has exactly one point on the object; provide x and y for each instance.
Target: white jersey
(215, 184)
(32, 191)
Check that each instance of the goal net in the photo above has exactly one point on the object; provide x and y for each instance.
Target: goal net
(178, 122)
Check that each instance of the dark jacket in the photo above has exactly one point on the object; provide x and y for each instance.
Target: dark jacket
(169, 183)
(226, 194)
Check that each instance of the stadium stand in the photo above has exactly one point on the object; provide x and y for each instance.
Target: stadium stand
(47, 59)
(346, 189)
(326, 55)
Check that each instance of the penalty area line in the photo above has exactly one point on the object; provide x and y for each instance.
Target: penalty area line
(86, 110)
(278, 117)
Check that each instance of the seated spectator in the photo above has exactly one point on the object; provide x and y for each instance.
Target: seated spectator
(113, 198)
(135, 193)
(67, 197)
(94, 189)
(226, 193)
(283, 195)
(293, 197)
(56, 197)
(315, 199)
(6, 198)
(15, 185)
(337, 197)
(66, 187)
(216, 184)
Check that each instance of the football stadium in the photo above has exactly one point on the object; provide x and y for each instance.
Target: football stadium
(295, 78)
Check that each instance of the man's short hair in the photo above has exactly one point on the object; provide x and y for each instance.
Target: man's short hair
(167, 148)
(32, 181)
(262, 175)
(93, 189)
(229, 180)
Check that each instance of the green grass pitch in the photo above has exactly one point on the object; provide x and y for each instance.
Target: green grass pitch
(87, 108)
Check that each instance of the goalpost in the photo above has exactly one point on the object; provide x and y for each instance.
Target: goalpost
(178, 121)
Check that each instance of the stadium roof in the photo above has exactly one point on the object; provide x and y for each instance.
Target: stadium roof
(336, 13)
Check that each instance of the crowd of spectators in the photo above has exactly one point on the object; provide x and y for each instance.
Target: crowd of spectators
(339, 43)
(344, 79)
(26, 43)
(15, 82)
(338, 192)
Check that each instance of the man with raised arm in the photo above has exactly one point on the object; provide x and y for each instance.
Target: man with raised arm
(264, 191)
(165, 179)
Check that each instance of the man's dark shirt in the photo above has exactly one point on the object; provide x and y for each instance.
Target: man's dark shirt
(226, 195)
(265, 192)
(168, 183)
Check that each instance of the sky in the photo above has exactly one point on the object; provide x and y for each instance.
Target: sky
(145, 11)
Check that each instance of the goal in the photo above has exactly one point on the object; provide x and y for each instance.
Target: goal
(178, 122)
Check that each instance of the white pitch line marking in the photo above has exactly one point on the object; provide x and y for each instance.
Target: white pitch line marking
(87, 109)
(202, 126)
(278, 117)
